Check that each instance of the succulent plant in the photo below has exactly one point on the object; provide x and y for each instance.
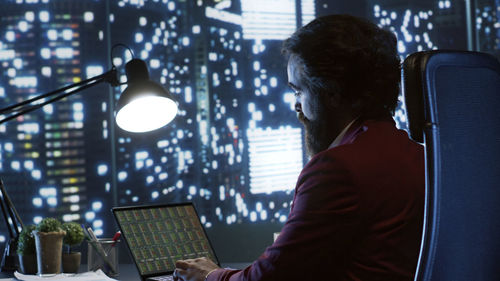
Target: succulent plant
(49, 225)
(26, 242)
(74, 234)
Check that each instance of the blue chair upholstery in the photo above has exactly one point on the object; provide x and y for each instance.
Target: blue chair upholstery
(453, 106)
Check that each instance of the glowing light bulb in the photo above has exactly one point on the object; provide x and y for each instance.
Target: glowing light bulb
(146, 113)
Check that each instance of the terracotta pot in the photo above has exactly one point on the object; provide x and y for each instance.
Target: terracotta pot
(71, 262)
(27, 264)
(48, 251)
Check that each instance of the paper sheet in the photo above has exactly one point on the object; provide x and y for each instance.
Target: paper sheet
(86, 276)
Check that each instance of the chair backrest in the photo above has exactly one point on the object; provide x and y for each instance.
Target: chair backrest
(453, 101)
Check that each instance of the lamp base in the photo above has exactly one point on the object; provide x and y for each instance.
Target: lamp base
(9, 258)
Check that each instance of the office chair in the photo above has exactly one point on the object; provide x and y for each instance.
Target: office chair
(453, 102)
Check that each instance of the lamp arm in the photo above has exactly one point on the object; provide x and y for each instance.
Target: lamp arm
(109, 77)
(12, 210)
(8, 259)
(5, 216)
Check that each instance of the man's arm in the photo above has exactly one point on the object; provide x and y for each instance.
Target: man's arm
(316, 240)
(194, 269)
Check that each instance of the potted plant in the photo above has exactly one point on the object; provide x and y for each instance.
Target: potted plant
(74, 236)
(26, 250)
(48, 240)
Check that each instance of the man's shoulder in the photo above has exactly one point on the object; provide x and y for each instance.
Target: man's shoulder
(375, 144)
(381, 159)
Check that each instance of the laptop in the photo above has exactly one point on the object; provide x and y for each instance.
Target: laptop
(159, 235)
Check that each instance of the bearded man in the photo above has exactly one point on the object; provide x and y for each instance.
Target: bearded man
(358, 206)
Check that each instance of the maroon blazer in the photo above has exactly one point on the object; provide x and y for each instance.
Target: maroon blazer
(357, 213)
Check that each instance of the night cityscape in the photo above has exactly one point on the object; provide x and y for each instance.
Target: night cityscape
(235, 148)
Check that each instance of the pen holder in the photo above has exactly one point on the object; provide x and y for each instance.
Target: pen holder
(103, 254)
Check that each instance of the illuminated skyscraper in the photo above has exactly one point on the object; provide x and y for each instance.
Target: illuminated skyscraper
(416, 25)
(159, 166)
(249, 101)
(487, 26)
(275, 19)
(225, 65)
(55, 146)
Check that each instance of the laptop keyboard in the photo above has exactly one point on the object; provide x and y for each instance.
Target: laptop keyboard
(162, 278)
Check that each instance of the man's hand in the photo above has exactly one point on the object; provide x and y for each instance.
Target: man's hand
(193, 269)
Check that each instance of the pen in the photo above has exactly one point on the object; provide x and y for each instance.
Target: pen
(94, 238)
(115, 240)
(89, 235)
(107, 264)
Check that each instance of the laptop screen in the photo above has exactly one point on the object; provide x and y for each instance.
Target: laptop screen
(157, 236)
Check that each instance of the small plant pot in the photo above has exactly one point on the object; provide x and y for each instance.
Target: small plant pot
(48, 251)
(27, 264)
(71, 262)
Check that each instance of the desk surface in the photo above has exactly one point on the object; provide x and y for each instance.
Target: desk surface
(128, 272)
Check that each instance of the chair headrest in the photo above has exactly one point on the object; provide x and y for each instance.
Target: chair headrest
(418, 82)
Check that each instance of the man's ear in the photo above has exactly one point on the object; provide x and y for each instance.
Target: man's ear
(333, 101)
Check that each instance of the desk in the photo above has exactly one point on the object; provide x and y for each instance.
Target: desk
(128, 272)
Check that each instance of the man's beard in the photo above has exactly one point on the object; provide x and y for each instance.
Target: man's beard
(318, 133)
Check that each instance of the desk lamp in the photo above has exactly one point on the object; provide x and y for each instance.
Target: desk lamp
(142, 107)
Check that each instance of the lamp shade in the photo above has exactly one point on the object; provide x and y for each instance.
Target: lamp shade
(144, 105)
